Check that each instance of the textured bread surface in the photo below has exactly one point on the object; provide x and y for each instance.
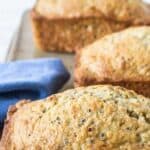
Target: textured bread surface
(133, 11)
(122, 58)
(70, 34)
(67, 26)
(99, 117)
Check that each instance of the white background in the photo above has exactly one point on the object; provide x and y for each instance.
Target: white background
(10, 15)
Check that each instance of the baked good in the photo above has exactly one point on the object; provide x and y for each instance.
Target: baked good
(87, 118)
(122, 58)
(64, 25)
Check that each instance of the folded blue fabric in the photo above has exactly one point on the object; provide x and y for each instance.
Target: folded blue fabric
(31, 79)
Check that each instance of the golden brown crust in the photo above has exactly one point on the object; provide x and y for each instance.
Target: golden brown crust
(133, 11)
(70, 34)
(122, 58)
(7, 128)
(96, 117)
(67, 26)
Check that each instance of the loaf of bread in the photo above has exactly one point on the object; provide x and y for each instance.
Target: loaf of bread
(87, 118)
(68, 25)
(122, 58)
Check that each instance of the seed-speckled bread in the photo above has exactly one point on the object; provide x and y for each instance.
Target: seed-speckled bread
(87, 118)
(122, 58)
(68, 25)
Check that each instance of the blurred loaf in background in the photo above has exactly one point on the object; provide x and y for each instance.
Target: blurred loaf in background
(68, 25)
(121, 58)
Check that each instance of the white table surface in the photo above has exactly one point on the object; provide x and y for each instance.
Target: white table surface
(10, 15)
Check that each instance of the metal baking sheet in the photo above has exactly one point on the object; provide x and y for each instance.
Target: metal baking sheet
(22, 48)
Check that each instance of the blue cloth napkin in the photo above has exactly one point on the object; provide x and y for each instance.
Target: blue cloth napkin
(31, 79)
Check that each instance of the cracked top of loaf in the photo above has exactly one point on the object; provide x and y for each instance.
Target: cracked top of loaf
(122, 56)
(97, 117)
(133, 11)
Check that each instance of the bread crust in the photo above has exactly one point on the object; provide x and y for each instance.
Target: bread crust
(65, 26)
(122, 58)
(69, 35)
(131, 11)
(110, 101)
(5, 140)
